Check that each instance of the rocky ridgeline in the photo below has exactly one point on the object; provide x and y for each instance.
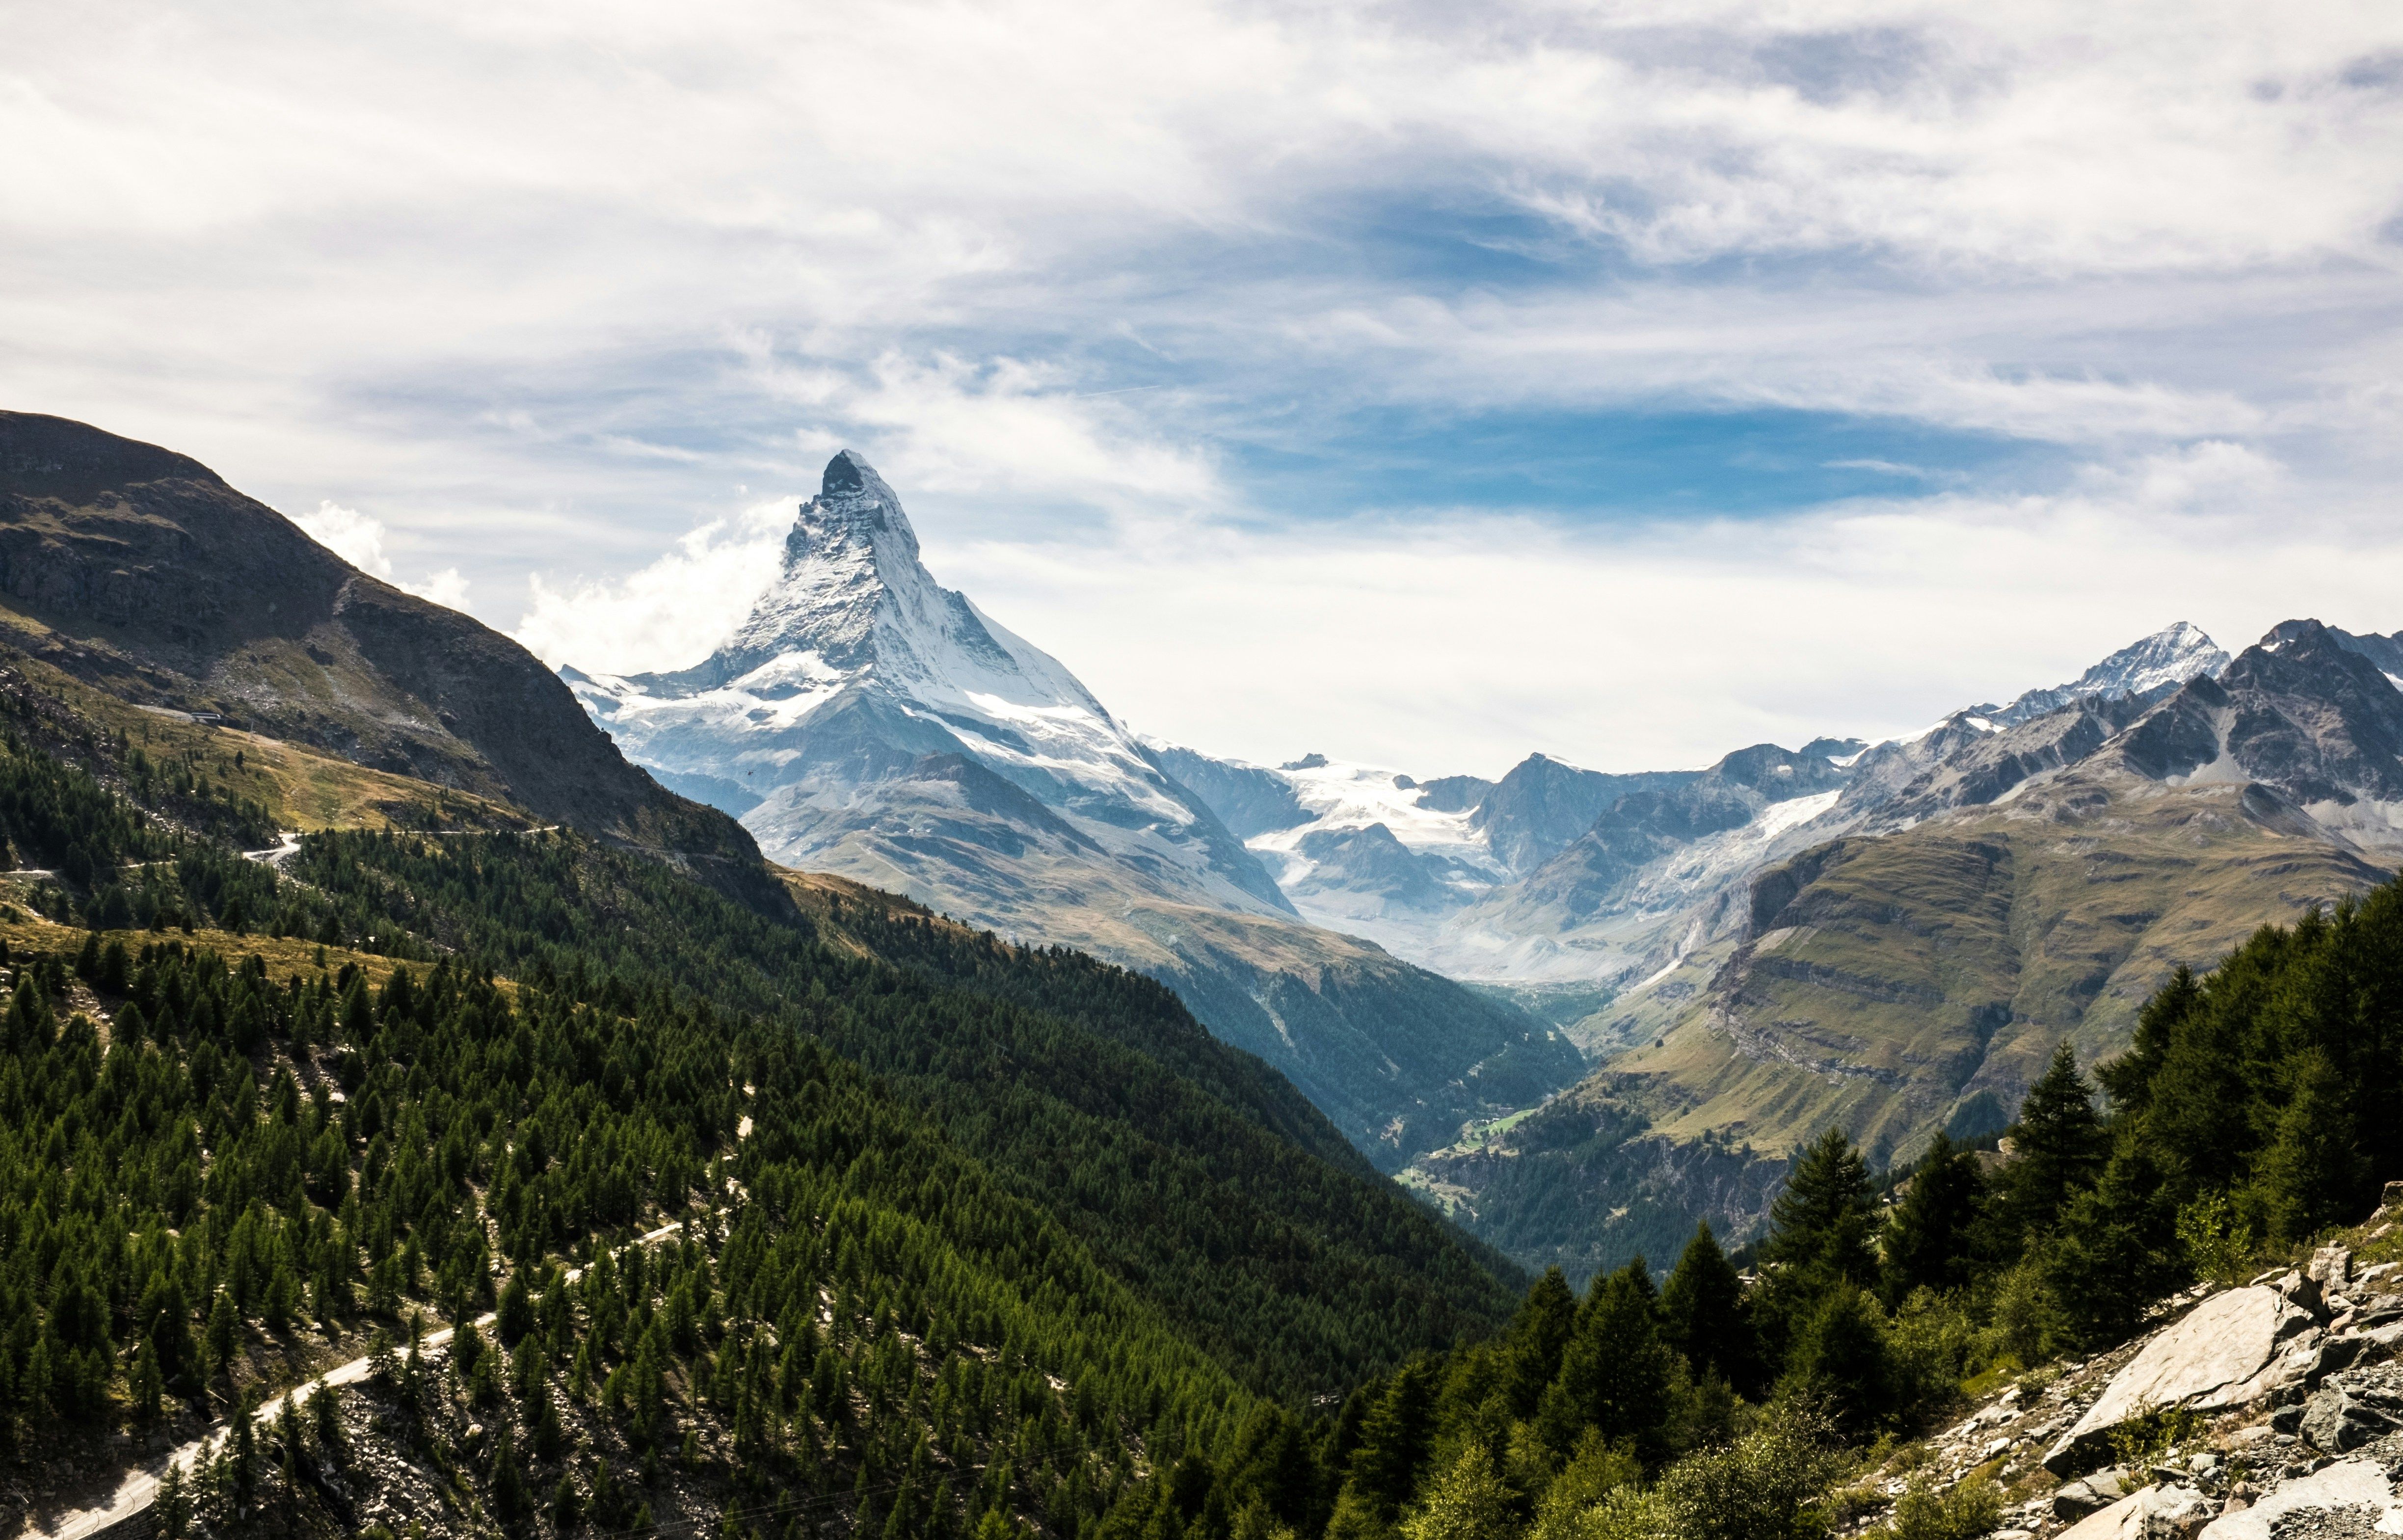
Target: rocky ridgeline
(2255, 1413)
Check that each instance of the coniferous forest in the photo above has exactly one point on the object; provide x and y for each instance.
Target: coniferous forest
(803, 1209)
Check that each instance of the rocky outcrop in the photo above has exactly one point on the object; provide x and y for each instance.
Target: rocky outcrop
(2292, 1427)
(2349, 1484)
(2155, 1511)
(2227, 1351)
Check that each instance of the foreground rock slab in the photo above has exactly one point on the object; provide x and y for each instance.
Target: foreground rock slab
(2227, 1351)
(2346, 1484)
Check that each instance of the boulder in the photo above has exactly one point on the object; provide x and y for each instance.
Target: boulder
(2092, 1494)
(2333, 1423)
(2346, 1484)
(2301, 1290)
(2331, 1268)
(2156, 1513)
(2225, 1351)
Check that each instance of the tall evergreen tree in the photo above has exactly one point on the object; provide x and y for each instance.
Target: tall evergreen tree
(1704, 1317)
(1820, 1222)
(2059, 1146)
(1394, 1439)
(1927, 1238)
(1840, 1353)
(1539, 1334)
(2116, 1250)
(1615, 1374)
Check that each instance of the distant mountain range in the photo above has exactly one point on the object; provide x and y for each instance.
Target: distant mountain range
(1989, 891)
(867, 721)
(1564, 881)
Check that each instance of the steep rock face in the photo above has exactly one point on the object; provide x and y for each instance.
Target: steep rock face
(1249, 799)
(2302, 712)
(2149, 668)
(1981, 770)
(870, 722)
(141, 571)
(857, 666)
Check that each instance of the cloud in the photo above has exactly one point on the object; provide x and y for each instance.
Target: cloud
(358, 539)
(667, 614)
(1463, 644)
(349, 534)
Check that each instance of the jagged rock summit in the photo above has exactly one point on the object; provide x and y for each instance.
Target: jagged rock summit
(857, 668)
(2157, 665)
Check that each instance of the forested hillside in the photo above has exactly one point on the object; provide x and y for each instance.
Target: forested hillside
(258, 1116)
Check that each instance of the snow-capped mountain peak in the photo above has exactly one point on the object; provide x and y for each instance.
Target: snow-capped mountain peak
(2168, 657)
(857, 669)
(853, 598)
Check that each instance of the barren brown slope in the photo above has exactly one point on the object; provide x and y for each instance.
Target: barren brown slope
(142, 572)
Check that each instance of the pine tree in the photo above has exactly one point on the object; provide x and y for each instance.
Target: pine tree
(1702, 1313)
(1840, 1353)
(1927, 1239)
(515, 1316)
(1539, 1334)
(508, 1481)
(147, 1385)
(2116, 1250)
(171, 1510)
(1395, 1438)
(1615, 1374)
(2313, 1166)
(2059, 1146)
(1820, 1222)
(224, 1332)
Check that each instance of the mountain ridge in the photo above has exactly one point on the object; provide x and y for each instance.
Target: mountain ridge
(142, 570)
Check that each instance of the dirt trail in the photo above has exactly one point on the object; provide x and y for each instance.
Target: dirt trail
(139, 1487)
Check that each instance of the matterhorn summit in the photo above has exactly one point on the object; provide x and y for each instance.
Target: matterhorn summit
(856, 669)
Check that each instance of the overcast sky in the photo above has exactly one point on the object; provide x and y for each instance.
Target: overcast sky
(1424, 384)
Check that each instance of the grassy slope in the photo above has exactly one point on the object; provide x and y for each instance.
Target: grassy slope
(306, 790)
(1914, 979)
(1919, 970)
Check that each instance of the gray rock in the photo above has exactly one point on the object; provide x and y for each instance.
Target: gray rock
(2224, 1353)
(2303, 1293)
(2335, 1422)
(2156, 1513)
(2091, 1495)
(2346, 1484)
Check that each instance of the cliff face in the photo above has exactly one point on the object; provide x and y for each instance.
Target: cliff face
(141, 571)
